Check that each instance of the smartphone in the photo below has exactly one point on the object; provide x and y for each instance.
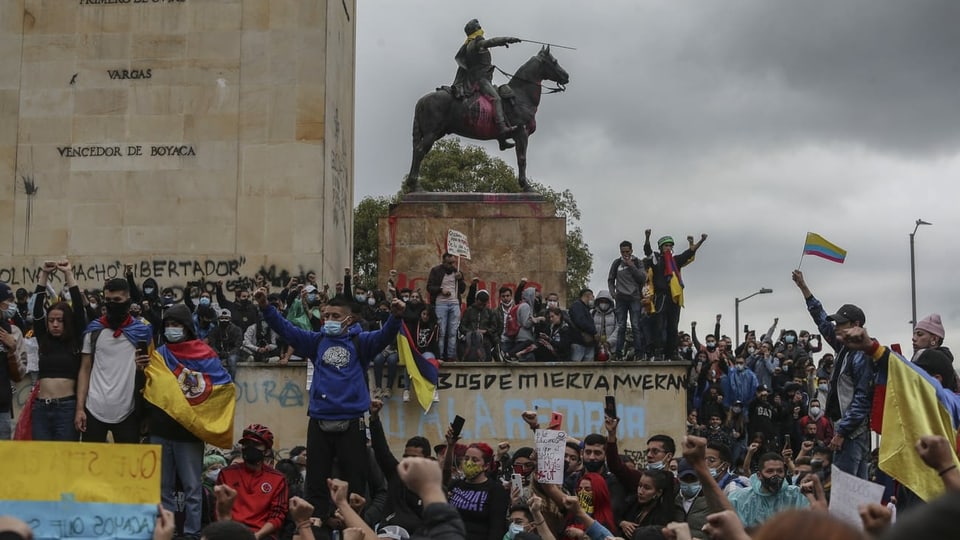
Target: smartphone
(556, 420)
(141, 348)
(786, 441)
(457, 425)
(610, 406)
(517, 483)
(746, 329)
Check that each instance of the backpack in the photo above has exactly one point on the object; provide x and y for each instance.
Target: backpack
(474, 348)
(512, 326)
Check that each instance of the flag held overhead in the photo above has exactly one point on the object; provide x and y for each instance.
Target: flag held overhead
(819, 246)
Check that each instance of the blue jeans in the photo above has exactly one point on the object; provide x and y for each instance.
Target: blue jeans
(581, 353)
(854, 456)
(183, 460)
(389, 358)
(632, 305)
(448, 315)
(230, 364)
(53, 419)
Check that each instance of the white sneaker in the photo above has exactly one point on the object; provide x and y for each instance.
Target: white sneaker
(377, 393)
(386, 394)
(436, 396)
(406, 396)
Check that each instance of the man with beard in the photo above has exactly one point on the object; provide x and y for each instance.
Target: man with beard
(113, 357)
(768, 493)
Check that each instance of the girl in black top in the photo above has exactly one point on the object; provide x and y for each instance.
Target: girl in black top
(59, 333)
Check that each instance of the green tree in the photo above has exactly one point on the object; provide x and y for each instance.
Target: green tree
(453, 166)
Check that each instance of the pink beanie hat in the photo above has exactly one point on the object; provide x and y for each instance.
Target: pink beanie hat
(932, 325)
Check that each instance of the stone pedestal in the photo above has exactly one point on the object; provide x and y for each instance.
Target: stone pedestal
(511, 235)
(190, 138)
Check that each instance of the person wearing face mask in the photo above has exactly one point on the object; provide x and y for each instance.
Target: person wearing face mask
(262, 499)
(14, 363)
(243, 312)
(227, 340)
(480, 327)
(479, 496)
(179, 431)
(719, 459)
(816, 416)
(690, 498)
(740, 384)
(768, 494)
(339, 397)
(605, 321)
(111, 370)
(212, 463)
(445, 285)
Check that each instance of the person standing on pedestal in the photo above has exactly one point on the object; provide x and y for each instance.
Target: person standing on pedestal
(445, 285)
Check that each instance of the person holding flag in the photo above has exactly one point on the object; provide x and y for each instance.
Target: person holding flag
(849, 399)
(668, 289)
(190, 400)
(918, 404)
(339, 397)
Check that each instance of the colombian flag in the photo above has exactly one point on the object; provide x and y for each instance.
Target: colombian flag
(672, 271)
(422, 368)
(188, 382)
(913, 404)
(819, 246)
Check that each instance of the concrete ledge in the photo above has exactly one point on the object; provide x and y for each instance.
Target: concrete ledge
(461, 197)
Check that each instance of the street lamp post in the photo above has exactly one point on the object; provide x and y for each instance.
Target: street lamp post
(913, 275)
(736, 310)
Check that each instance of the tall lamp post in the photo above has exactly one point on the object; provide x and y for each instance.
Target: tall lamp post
(736, 308)
(913, 275)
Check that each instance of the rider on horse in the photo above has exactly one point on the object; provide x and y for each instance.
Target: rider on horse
(476, 67)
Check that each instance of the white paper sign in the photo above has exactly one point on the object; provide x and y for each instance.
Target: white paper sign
(457, 244)
(550, 451)
(847, 493)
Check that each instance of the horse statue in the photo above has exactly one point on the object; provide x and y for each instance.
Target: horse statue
(439, 113)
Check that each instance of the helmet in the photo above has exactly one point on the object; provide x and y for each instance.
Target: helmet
(258, 433)
(472, 26)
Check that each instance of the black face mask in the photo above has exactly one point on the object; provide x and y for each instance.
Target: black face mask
(244, 302)
(223, 323)
(252, 455)
(117, 313)
(772, 484)
(593, 466)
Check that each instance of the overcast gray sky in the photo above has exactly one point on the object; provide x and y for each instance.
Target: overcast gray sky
(754, 121)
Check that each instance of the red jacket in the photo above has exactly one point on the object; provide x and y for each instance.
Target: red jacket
(261, 495)
(824, 428)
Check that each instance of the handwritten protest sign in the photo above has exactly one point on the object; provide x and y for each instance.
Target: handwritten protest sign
(83, 490)
(550, 445)
(848, 492)
(457, 244)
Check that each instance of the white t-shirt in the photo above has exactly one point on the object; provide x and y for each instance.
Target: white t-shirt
(113, 377)
(449, 283)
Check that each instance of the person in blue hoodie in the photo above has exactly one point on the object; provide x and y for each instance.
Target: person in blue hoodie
(339, 397)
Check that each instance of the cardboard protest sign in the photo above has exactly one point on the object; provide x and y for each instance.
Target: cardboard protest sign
(550, 445)
(848, 492)
(82, 490)
(457, 244)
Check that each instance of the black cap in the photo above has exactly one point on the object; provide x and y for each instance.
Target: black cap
(848, 313)
(763, 388)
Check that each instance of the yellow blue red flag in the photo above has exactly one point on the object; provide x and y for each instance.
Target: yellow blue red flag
(818, 246)
(187, 381)
(913, 404)
(423, 368)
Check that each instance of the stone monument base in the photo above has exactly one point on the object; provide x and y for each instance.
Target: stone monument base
(511, 235)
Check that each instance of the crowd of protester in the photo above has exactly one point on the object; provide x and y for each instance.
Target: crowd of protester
(766, 419)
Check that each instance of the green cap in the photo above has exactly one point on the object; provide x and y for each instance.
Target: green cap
(664, 240)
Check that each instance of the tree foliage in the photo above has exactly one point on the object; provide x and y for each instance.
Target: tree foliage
(453, 166)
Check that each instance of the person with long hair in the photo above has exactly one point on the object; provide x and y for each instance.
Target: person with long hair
(59, 338)
(655, 504)
(478, 496)
(594, 498)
